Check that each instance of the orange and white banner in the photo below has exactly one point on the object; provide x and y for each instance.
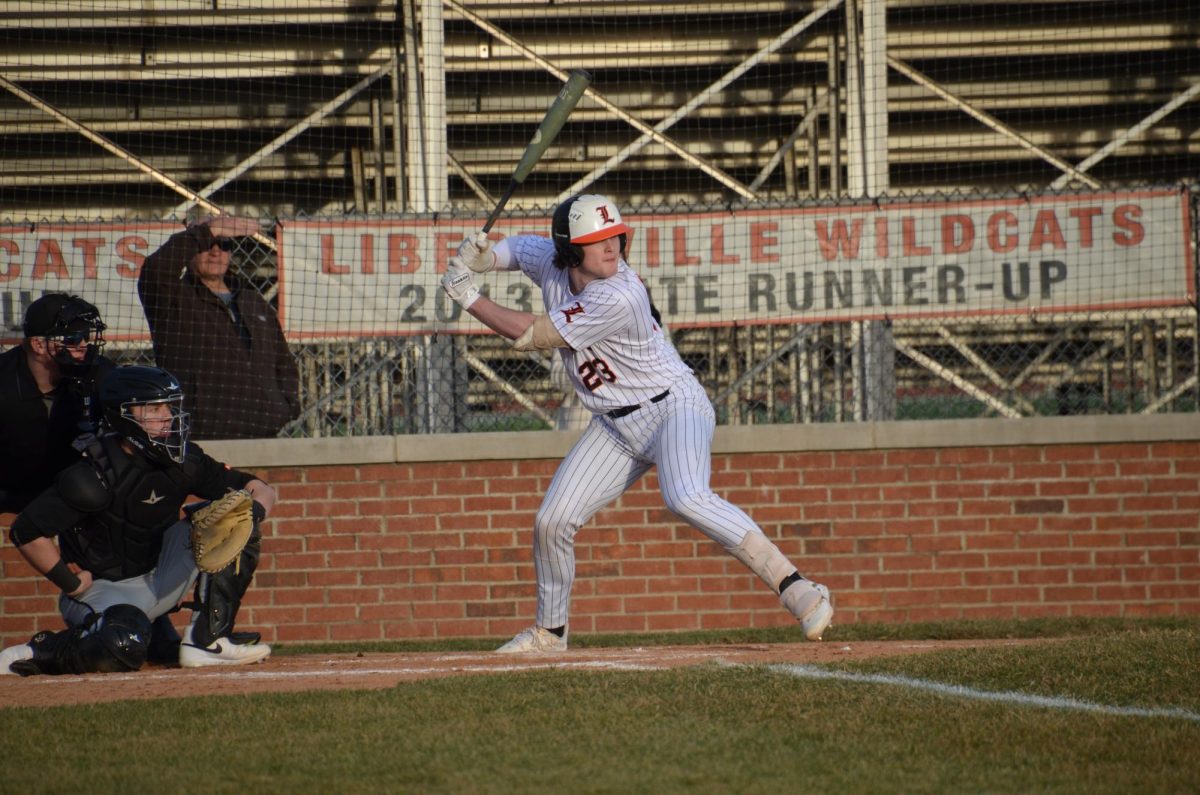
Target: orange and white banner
(1036, 256)
(377, 277)
(99, 262)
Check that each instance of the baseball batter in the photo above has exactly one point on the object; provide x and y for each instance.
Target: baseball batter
(647, 407)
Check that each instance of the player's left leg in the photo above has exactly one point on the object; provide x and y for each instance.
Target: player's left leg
(210, 639)
(682, 447)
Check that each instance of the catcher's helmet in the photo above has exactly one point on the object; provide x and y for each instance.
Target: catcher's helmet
(68, 320)
(585, 219)
(127, 387)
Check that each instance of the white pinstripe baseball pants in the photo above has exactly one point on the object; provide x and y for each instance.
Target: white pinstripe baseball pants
(674, 434)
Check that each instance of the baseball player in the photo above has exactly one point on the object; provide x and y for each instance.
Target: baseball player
(123, 557)
(647, 407)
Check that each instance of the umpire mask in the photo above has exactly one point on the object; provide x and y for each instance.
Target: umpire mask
(67, 322)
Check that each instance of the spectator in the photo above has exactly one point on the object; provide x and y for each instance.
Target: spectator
(46, 386)
(218, 335)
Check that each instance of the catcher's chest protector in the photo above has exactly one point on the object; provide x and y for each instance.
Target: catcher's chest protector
(124, 539)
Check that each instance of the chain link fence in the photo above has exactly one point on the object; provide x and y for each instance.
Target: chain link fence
(1105, 362)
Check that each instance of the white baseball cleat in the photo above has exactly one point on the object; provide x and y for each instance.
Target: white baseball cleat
(809, 603)
(535, 639)
(14, 654)
(223, 651)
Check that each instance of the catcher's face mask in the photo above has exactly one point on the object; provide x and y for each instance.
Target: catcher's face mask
(162, 427)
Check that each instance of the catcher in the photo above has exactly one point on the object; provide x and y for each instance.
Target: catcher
(124, 557)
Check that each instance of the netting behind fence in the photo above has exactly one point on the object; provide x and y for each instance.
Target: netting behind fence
(845, 210)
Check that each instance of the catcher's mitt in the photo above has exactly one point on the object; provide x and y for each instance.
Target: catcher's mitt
(220, 530)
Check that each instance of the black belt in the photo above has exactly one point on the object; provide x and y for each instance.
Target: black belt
(617, 414)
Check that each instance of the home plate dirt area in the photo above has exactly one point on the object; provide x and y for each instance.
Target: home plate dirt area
(378, 670)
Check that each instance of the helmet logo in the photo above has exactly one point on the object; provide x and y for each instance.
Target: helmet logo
(605, 217)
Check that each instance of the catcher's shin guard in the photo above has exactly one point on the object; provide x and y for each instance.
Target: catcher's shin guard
(115, 641)
(218, 596)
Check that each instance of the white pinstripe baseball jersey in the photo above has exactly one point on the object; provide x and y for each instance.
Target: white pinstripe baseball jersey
(618, 356)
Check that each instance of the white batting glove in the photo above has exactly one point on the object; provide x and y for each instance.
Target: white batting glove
(459, 284)
(476, 253)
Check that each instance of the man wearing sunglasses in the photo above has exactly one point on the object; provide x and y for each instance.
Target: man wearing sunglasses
(46, 394)
(217, 335)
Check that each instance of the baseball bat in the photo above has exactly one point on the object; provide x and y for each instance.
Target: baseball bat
(568, 97)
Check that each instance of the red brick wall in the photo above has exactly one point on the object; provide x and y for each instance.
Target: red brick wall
(424, 550)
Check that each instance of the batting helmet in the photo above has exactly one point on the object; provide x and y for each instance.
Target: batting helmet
(585, 219)
(125, 388)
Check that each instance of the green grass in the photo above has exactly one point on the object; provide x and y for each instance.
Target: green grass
(707, 729)
(949, 630)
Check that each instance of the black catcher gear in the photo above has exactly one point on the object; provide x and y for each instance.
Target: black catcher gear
(218, 596)
(125, 388)
(116, 640)
(70, 321)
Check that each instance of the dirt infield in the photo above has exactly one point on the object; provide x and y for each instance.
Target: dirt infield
(379, 670)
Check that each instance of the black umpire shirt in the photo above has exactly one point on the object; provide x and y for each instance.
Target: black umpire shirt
(35, 441)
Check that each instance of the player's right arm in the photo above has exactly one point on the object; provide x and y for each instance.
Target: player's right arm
(529, 253)
(77, 491)
(481, 255)
(511, 323)
(42, 554)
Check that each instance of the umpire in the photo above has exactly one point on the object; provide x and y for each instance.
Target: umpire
(123, 557)
(46, 394)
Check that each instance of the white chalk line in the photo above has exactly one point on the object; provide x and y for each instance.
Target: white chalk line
(998, 696)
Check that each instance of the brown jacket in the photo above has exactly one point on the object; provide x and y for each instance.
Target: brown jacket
(239, 381)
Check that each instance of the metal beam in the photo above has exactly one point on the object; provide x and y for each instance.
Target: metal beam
(1179, 389)
(800, 336)
(1130, 134)
(475, 185)
(282, 140)
(603, 101)
(105, 143)
(981, 364)
(481, 367)
(701, 98)
(989, 121)
(803, 127)
(957, 381)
